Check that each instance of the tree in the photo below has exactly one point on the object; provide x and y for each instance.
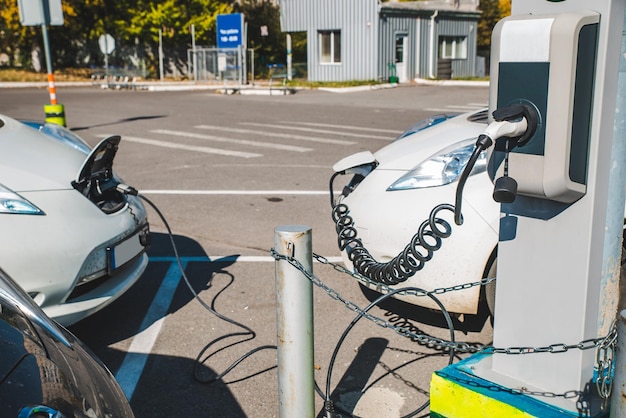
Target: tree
(492, 12)
(134, 24)
(14, 38)
(490, 16)
(505, 8)
(174, 19)
(264, 35)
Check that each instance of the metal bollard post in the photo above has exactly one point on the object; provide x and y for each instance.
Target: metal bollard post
(618, 398)
(294, 323)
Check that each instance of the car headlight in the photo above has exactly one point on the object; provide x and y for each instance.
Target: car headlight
(442, 168)
(11, 202)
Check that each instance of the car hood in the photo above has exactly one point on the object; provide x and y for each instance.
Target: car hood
(406, 153)
(30, 160)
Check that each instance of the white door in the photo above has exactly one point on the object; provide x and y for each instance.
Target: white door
(401, 57)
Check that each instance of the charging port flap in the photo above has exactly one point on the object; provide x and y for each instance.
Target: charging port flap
(96, 181)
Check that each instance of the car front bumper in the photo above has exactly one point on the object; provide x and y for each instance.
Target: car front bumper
(49, 255)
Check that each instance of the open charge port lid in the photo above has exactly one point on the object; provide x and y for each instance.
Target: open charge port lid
(353, 161)
(99, 163)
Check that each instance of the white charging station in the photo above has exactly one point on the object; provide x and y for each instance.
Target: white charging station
(560, 59)
(548, 61)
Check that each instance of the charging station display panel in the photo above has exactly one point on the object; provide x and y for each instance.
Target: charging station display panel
(548, 62)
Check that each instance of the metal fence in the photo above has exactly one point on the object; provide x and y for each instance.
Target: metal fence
(230, 65)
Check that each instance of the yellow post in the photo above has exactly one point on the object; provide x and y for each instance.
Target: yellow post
(55, 113)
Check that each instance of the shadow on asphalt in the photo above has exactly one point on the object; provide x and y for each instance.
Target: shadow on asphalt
(407, 311)
(167, 387)
(117, 122)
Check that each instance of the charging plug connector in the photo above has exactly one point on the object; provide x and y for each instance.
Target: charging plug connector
(499, 129)
(517, 124)
(126, 189)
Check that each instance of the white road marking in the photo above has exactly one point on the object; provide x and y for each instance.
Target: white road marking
(229, 259)
(238, 192)
(277, 135)
(349, 127)
(323, 131)
(231, 140)
(454, 108)
(206, 150)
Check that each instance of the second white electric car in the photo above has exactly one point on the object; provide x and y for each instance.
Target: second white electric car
(393, 191)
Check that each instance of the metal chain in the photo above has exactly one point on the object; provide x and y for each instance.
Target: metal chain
(383, 288)
(587, 344)
(605, 356)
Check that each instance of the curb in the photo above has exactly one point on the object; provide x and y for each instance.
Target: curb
(458, 83)
(42, 84)
(358, 88)
(182, 86)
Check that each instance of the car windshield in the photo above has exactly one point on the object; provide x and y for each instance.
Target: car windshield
(427, 123)
(61, 134)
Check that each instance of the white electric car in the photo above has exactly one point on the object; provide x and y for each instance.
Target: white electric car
(70, 238)
(393, 191)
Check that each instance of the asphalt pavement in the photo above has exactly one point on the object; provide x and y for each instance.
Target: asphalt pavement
(225, 171)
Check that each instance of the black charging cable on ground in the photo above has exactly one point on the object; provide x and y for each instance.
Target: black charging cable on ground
(247, 331)
(329, 405)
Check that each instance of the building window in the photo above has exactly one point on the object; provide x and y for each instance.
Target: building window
(330, 46)
(453, 47)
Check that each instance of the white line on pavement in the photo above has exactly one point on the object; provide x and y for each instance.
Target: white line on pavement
(207, 150)
(238, 192)
(231, 140)
(229, 259)
(132, 366)
(269, 125)
(355, 128)
(277, 135)
(454, 108)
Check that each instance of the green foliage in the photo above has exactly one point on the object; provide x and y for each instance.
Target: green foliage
(135, 25)
(264, 35)
(492, 12)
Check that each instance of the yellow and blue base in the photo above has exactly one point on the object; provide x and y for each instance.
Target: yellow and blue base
(457, 392)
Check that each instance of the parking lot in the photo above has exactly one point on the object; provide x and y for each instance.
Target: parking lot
(225, 171)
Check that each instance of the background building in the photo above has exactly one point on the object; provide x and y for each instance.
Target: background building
(370, 40)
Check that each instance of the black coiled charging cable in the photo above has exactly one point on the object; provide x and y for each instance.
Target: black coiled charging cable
(422, 246)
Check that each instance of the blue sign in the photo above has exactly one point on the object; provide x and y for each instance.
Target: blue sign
(230, 30)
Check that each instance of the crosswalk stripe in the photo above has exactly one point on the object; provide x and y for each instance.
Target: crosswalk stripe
(277, 135)
(239, 192)
(231, 140)
(206, 150)
(453, 108)
(349, 127)
(322, 131)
